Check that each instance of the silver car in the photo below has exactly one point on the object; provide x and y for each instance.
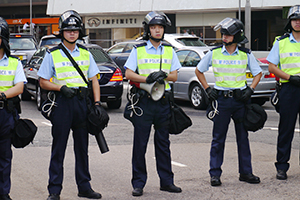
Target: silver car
(187, 87)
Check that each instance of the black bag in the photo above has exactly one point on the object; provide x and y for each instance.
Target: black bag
(23, 133)
(179, 121)
(255, 117)
(97, 119)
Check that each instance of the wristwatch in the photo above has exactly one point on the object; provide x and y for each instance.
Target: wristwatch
(3, 96)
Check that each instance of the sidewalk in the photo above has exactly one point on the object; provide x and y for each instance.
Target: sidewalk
(111, 174)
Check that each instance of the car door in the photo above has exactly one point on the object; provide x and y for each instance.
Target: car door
(188, 60)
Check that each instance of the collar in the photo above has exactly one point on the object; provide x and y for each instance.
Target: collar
(75, 50)
(150, 45)
(224, 50)
(292, 39)
(4, 57)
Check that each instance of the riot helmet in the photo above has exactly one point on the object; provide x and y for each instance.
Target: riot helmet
(4, 34)
(153, 18)
(70, 20)
(232, 26)
(294, 13)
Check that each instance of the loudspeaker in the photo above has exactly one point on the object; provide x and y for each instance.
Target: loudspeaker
(155, 90)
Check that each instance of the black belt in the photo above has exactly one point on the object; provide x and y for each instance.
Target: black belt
(236, 93)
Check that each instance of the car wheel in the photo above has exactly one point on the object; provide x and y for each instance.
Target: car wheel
(25, 96)
(197, 97)
(114, 104)
(38, 97)
(259, 101)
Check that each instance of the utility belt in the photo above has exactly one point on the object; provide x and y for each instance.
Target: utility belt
(236, 93)
(82, 92)
(11, 104)
(140, 93)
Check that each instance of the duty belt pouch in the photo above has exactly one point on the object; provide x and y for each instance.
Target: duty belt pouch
(23, 133)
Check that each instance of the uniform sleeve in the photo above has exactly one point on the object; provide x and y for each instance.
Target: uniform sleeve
(131, 62)
(93, 68)
(20, 76)
(175, 62)
(253, 65)
(273, 56)
(205, 63)
(46, 70)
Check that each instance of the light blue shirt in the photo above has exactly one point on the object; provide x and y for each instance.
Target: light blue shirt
(19, 76)
(47, 69)
(206, 62)
(273, 56)
(132, 62)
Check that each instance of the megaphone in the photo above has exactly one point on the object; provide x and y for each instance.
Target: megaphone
(156, 90)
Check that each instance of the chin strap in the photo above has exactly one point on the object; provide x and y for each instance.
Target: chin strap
(155, 39)
(69, 41)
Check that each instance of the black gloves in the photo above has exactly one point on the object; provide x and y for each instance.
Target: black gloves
(211, 93)
(247, 94)
(295, 80)
(156, 76)
(102, 116)
(67, 92)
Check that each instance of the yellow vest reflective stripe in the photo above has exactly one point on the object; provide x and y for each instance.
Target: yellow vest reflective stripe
(66, 74)
(289, 54)
(229, 71)
(148, 63)
(8, 73)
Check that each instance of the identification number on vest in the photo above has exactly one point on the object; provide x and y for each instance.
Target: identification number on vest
(249, 75)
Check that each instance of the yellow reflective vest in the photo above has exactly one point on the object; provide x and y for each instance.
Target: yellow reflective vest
(229, 71)
(66, 73)
(148, 63)
(8, 73)
(289, 54)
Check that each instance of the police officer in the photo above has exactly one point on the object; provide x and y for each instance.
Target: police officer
(11, 85)
(284, 63)
(71, 106)
(229, 62)
(143, 66)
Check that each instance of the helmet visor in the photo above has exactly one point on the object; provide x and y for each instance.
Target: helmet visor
(294, 12)
(153, 14)
(228, 25)
(68, 14)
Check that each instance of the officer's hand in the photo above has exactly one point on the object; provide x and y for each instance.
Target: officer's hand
(211, 93)
(295, 80)
(155, 75)
(247, 94)
(160, 80)
(67, 92)
(102, 115)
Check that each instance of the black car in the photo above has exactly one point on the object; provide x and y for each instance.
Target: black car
(120, 52)
(110, 77)
(23, 46)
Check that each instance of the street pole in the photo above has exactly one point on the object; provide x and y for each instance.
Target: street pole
(248, 23)
(239, 9)
(30, 25)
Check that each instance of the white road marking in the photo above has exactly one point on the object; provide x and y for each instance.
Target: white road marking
(176, 163)
(276, 129)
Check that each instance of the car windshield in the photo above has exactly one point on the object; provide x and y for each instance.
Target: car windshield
(22, 44)
(191, 41)
(50, 41)
(99, 56)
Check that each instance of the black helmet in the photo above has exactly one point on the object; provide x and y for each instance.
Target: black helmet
(4, 34)
(152, 18)
(70, 20)
(232, 26)
(294, 13)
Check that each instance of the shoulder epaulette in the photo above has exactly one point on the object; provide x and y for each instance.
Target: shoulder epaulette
(54, 48)
(283, 36)
(220, 46)
(81, 46)
(14, 57)
(140, 45)
(246, 50)
(166, 44)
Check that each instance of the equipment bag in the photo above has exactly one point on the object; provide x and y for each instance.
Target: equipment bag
(23, 133)
(255, 117)
(179, 121)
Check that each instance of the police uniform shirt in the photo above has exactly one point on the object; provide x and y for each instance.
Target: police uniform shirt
(47, 69)
(206, 62)
(273, 56)
(132, 62)
(19, 76)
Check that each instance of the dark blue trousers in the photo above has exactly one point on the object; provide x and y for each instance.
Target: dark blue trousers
(6, 124)
(229, 108)
(69, 114)
(157, 113)
(289, 110)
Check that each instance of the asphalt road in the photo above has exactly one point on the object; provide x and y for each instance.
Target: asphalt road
(111, 172)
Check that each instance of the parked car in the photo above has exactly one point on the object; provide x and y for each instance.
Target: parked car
(23, 46)
(53, 40)
(119, 52)
(179, 41)
(187, 87)
(110, 77)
